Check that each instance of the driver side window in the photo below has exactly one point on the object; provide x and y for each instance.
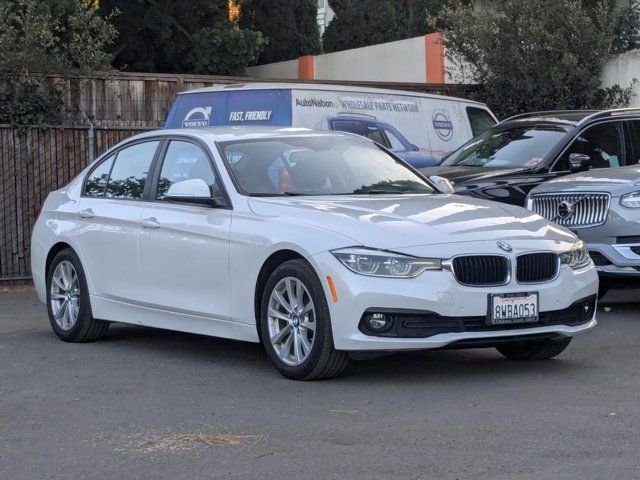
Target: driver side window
(603, 143)
(184, 161)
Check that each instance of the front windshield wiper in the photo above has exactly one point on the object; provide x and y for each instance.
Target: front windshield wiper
(381, 189)
(293, 194)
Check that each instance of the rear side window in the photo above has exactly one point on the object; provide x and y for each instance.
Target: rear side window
(480, 120)
(97, 179)
(130, 171)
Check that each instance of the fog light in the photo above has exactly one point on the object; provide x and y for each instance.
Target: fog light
(378, 321)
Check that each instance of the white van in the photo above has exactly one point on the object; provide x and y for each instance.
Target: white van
(420, 128)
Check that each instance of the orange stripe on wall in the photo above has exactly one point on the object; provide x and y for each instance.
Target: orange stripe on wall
(434, 53)
(306, 67)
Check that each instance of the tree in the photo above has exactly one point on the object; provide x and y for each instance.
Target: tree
(39, 38)
(355, 25)
(554, 62)
(290, 27)
(169, 36)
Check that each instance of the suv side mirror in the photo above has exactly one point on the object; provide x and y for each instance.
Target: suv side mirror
(194, 191)
(579, 162)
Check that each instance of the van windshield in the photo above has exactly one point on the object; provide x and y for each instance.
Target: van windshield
(318, 165)
(522, 146)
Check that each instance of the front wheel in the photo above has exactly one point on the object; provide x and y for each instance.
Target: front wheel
(68, 301)
(534, 350)
(296, 325)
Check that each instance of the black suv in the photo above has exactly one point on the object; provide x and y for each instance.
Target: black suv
(507, 161)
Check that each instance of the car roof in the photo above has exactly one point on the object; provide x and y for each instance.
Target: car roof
(231, 133)
(570, 117)
(324, 87)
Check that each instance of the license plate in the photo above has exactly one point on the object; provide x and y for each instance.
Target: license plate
(511, 308)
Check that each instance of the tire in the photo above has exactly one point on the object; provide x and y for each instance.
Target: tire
(526, 351)
(603, 287)
(67, 284)
(310, 355)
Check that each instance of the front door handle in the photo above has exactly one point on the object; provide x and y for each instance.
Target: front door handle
(88, 213)
(151, 222)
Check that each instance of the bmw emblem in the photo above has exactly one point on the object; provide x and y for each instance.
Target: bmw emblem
(504, 246)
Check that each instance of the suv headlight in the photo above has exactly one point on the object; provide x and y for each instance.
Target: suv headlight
(380, 263)
(576, 258)
(630, 200)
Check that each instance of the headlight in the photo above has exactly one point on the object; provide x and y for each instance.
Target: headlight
(379, 263)
(576, 258)
(528, 204)
(630, 200)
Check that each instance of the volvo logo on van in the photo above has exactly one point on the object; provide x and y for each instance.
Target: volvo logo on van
(442, 125)
(197, 117)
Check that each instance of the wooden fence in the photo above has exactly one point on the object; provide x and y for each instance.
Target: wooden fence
(33, 162)
(144, 99)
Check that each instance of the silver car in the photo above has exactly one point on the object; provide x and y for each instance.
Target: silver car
(603, 208)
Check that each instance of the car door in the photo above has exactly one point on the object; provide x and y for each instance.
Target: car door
(184, 248)
(109, 211)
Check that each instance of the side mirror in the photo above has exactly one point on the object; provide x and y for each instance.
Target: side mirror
(579, 162)
(442, 184)
(194, 191)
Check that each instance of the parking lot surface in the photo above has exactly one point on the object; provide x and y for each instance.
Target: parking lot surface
(152, 404)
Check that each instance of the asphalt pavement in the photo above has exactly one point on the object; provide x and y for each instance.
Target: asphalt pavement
(152, 404)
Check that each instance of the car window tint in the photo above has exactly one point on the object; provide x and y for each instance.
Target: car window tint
(184, 161)
(349, 126)
(97, 179)
(378, 136)
(395, 143)
(603, 143)
(634, 142)
(130, 170)
(480, 120)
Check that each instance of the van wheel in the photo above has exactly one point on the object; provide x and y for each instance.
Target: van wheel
(68, 301)
(534, 350)
(296, 325)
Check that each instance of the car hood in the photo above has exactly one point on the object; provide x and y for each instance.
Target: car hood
(400, 221)
(458, 175)
(612, 180)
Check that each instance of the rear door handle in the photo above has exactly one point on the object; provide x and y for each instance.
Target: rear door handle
(151, 222)
(88, 213)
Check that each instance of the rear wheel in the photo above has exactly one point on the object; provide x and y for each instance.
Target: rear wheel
(68, 301)
(534, 350)
(296, 326)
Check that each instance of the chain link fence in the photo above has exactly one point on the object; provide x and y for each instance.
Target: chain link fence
(33, 162)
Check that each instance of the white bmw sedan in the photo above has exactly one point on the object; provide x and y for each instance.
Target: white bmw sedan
(320, 245)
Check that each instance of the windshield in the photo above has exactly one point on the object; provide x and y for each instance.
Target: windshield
(524, 146)
(318, 165)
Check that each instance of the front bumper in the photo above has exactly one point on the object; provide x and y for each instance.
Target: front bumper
(440, 293)
(618, 260)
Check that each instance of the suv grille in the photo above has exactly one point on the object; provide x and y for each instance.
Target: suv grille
(479, 270)
(576, 210)
(536, 267)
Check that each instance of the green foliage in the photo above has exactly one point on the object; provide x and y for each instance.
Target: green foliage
(289, 25)
(224, 51)
(168, 36)
(358, 24)
(40, 38)
(554, 62)
(355, 25)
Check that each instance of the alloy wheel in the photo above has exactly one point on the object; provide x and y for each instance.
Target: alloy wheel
(65, 295)
(291, 321)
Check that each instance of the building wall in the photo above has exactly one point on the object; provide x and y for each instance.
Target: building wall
(403, 60)
(287, 69)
